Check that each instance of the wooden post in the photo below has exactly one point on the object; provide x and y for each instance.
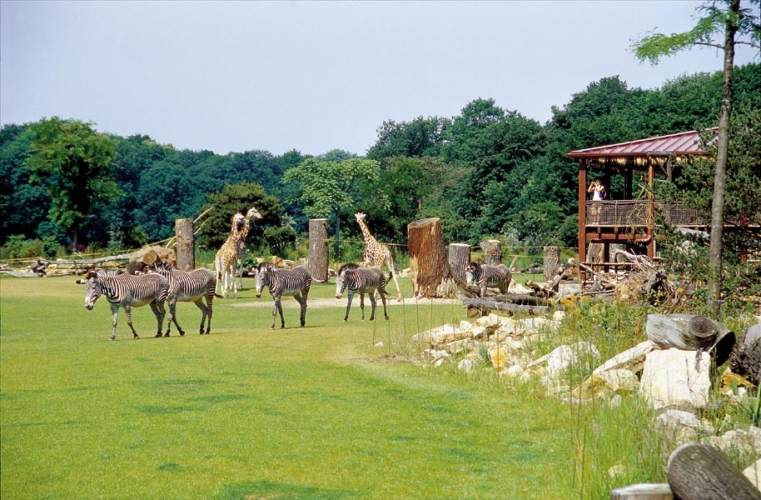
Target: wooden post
(492, 252)
(428, 260)
(701, 472)
(551, 262)
(583, 215)
(656, 491)
(318, 249)
(459, 258)
(186, 250)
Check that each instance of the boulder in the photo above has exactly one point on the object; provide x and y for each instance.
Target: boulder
(675, 378)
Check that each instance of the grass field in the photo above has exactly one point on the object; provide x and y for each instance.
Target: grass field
(253, 413)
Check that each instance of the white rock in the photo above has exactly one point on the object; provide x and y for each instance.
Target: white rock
(619, 380)
(466, 365)
(674, 377)
(465, 325)
(379, 344)
(632, 359)
(754, 473)
(514, 371)
(558, 316)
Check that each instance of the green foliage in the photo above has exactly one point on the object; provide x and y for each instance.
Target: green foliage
(238, 198)
(72, 162)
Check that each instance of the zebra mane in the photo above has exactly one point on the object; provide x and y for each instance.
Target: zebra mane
(266, 265)
(348, 267)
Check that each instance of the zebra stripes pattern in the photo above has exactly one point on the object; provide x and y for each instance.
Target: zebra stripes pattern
(189, 286)
(281, 282)
(484, 275)
(362, 280)
(128, 291)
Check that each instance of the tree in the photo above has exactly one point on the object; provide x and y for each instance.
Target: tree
(727, 18)
(327, 187)
(238, 198)
(72, 161)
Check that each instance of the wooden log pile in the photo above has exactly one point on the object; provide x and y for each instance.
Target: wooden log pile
(643, 280)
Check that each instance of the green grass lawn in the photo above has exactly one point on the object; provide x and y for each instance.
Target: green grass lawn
(253, 413)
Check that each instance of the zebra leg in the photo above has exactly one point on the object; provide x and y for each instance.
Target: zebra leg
(362, 303)
(275, 310)
(383, 299)
(173, 317)
(209, 301)
(114, 318)
(204, 310)
(128, 312)
(372, 303)
(302, 300)
(348, 304)
(159, 318)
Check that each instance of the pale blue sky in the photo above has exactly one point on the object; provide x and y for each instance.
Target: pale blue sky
(316, 76)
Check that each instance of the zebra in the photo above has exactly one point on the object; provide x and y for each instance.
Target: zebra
(483, 275)
(281, 282)
(126, 290)
(362, 279)
(193, 286)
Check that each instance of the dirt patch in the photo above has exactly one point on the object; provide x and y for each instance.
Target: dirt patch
(321, 303)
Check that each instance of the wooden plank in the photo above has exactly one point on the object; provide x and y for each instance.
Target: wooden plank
(655, 491)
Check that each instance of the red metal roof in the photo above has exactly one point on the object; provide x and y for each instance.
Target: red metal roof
(683, 143)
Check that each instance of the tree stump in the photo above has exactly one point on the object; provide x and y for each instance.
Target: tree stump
(492, 252)
(551, 262)
(318, 249)
(745, 359)
(186, 260)
(428, 261)
(459, 258)
(701, 472)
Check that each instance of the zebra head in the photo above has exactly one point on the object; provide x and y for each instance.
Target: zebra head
(253, 214)
(341, 278)
(263, 277)
(472, 273)
(93, 289)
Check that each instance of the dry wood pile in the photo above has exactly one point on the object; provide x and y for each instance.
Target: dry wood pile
(643, 280)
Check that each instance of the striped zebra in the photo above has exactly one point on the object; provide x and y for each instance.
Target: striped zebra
(281, 282)
(189, 286)
(127, 291)
(361, 280)
(484, 275)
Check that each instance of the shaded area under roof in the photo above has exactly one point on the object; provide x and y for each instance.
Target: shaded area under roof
(683, 143)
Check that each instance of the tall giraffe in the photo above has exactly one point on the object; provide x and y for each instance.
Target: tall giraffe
(227, 256)
(376, 254)
(251, 214)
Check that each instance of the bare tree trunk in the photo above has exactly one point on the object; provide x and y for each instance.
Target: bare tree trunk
(318, 249)
(186, 260)
(551, 262)
(492, 252)
(719, 182)
(459, 258)
(428, 260)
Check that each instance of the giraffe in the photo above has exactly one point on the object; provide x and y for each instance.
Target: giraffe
(251, 214)
(376, 254)
(227, 256)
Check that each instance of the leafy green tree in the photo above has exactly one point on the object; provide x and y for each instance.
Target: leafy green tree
(723, 27)
(238, 198)
(325, 188)
(420, 137)
(24, 206)
(73, 162)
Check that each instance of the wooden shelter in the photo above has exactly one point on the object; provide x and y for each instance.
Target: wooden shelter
(628, 215)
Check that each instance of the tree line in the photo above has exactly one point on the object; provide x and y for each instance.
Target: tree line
(487, 172)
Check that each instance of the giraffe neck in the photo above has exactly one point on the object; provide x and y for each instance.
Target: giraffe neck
(366, 233)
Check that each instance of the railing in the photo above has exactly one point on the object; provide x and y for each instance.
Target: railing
(635, 213)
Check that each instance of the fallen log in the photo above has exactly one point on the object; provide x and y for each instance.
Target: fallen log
(701, 472)
(504, 306)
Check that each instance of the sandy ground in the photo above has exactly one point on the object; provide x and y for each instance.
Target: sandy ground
(290, 302)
